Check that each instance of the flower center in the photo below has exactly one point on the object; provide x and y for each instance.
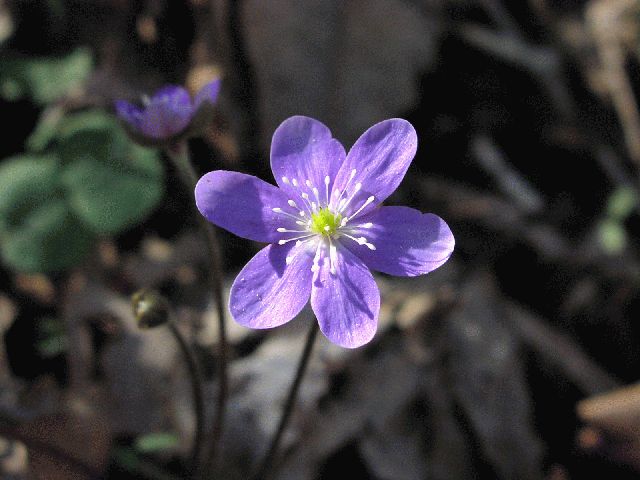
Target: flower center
(325, 222)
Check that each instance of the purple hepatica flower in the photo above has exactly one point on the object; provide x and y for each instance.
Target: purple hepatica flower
(325, 228)
(169, 115)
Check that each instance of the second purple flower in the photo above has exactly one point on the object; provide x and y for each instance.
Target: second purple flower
(325, 227)
(169, 115)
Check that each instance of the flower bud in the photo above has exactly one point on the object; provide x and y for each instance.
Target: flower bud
(150, 308)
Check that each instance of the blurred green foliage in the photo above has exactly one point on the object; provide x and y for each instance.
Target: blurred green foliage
(44, 80)
(85, 179)
(156, 442)
(611, 230)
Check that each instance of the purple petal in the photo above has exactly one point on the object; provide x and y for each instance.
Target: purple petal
(407, 242)
(208, 93)
(380, 158)
(167, 113)
(269, 292)
(346, 303)
(242, 204)
(302, 149)
(129, 113)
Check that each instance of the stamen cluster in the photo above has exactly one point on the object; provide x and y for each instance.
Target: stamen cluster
(323, 219)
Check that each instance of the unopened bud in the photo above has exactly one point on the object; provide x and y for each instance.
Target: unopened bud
(150, 308)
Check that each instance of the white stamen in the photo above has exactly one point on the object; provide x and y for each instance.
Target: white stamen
(292, 203)
(294, 182)
(369, 200)
(327, 228)
(287, 240)
(316, 258)
(309, 205)
(353, 174)
(286, 230)
(302, 214)
(353, 194)
(332, 257)
(360, 241)
(314, 206)
(285, 180)
(279, 210)
(308, 183)
(327, 181)
(301, 223)
(317, 195)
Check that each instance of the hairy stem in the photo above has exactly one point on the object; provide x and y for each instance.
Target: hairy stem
(266, 467)
(180, 157)
(196, 390)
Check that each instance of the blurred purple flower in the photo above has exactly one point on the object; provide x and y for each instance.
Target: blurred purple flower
(325, 227)
(169, 115)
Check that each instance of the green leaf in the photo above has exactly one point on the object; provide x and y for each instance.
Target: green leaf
(45, 131)
(44, 79)
(37, 231)
(612, 236)
(48, 238)
(88, 120)
(109, 192)
(622, 202)
(155, 442)
(110, 182)
(25, 181)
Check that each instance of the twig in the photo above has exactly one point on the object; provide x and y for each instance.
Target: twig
(265, 469)
(509, 180)
(509, 44)
(560, 351)
(603, 20)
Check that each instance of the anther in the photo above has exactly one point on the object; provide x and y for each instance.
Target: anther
(294, 182)
(285, 180)
(369, 200)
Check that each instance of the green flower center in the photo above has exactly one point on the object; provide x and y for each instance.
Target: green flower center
(325, 222)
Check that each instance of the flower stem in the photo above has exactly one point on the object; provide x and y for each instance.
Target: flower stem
(180, 157)
(265, 469)
(196, 390)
